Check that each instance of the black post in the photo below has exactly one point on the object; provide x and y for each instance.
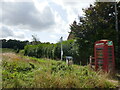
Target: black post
(117, 32)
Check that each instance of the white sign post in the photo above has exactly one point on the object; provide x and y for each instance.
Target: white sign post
(61, 48)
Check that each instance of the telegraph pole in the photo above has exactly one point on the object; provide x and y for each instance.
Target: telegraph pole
(61, 48)
(116, 27)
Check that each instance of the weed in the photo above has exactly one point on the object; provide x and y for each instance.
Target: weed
(29, 72)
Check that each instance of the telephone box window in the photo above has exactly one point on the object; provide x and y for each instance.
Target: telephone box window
(99, 48)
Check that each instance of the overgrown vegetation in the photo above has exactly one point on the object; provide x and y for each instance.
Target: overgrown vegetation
(3, 50)
(97, 23)
(52, 51)
(28, 72)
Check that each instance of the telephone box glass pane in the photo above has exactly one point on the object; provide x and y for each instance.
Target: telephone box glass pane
(100, 62)
(99, 48)
(109, 48)
(109, 51)
(110, 54)
(110, 61)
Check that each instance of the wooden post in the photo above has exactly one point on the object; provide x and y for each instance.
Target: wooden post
(91, 58)
(90, 61)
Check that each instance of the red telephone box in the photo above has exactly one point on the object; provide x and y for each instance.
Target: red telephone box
(104, 55)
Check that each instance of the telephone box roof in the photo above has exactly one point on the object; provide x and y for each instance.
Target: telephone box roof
(104, 40)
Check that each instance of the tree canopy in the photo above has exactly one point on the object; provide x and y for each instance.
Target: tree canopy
(97, 23)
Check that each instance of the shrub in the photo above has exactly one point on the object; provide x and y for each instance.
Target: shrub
(53, 51)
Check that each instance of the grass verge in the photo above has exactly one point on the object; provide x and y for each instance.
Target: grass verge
(28, 72)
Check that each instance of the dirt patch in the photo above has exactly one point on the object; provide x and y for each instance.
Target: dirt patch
(14, 57)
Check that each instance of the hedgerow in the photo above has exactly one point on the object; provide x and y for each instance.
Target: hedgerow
(52, 51)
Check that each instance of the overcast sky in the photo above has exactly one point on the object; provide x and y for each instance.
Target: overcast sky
(47, 19)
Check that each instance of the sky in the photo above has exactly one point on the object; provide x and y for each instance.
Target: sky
(48, 20)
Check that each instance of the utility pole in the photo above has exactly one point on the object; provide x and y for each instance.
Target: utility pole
(61, 48)
(116, 27)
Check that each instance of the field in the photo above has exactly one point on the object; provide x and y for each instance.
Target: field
(20, 71)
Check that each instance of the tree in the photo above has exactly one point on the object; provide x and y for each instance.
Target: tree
(13, 44)
(98, 23)
(35, 40)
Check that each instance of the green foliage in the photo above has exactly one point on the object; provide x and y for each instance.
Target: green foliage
(50, 74)
(15, 73)
(21, 52)
(98, 23)
(13, 44)
(3, 50)
(35, 40)
(52, 51)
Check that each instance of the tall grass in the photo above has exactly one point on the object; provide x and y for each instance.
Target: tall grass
(3, 50)
(29, 72)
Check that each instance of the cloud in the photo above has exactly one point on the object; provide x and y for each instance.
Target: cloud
(48, 19)
(53, 36)
(73, 7)
(59, 9)
(6, 32)
(26, 15)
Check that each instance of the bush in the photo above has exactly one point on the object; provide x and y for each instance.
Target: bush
(53, 51)
(21, 52)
